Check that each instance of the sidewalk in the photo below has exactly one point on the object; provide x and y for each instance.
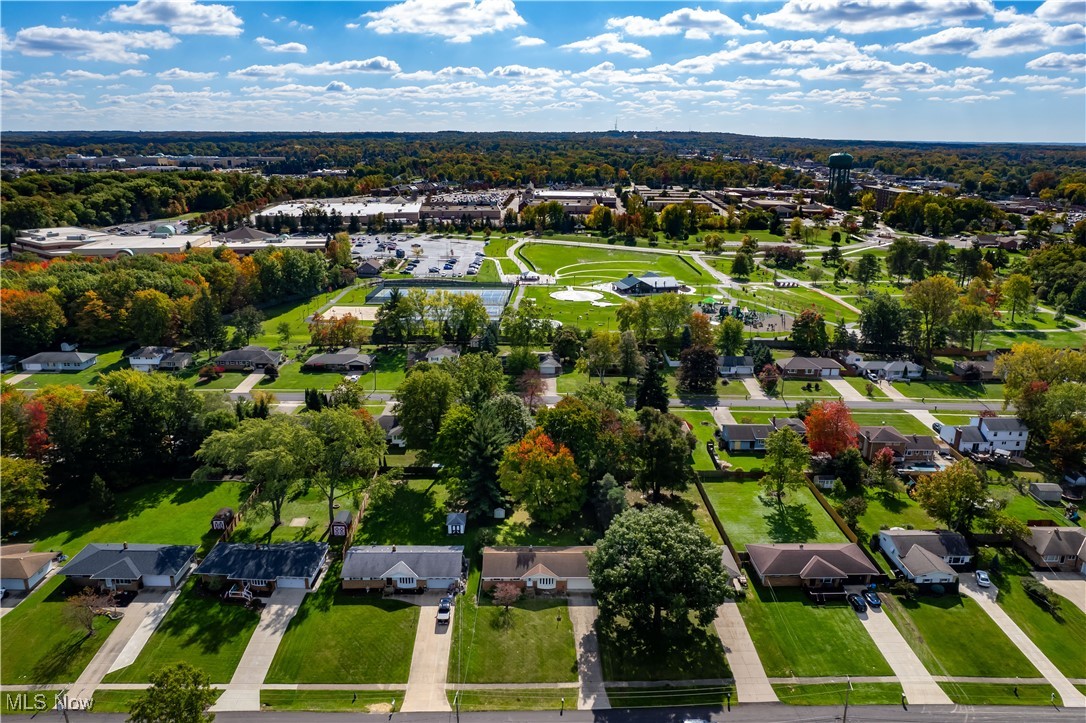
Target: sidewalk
(248, 383)
(889, 390)
(924, 416)
(722, 415)
(429, 661)
(751, 683)
(591, 694)
(756, 393)
(1067, 584)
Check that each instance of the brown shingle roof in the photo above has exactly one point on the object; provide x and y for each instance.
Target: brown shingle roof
(793, 559)
(1058, 540)
(18, 562)
(518, 562)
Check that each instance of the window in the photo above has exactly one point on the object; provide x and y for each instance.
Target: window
(1052, 558)
(955, 560)
(406, 581)
(545, 582)
(123, 581)
(257, 583)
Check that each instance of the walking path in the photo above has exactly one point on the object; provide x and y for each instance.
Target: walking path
(248, 383)
(917, 684)
(591, 694)
(751, 683)
(985, 597)
(1070, 585)
(243, 692)
(430, 660)
(147, 604)
(18, 378)
(756, 393)
(848, 392)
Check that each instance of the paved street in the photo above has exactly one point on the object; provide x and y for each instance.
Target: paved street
(430, 660)
(591, 694)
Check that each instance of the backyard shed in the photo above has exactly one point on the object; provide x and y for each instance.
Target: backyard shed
(224, 521)
(456, 523)
(1045, 491)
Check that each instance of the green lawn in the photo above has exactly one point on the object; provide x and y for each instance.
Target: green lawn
(168, 512)
(945, 633)
(688, 655)
(901, 421)
(704, 427)
(1026, 508)
(109, 360)
(531, 643)
(120, 701)
(860, 385)
(581, 265)
(794, 389)
(999, 694)
(890, 510)
(796, 638)
(671, 696)
(834, 694)
(574, 313)
(688, 504)
(741, 460)
(515, 699)
(198, 630)
(1061, 339)
(40, 645)
(949, 390)
(340, 637)
(293, 313)
(293, 377)
(338, 701)
(256, 525)
(748, 517)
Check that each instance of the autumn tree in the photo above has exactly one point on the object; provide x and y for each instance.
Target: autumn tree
(786, 458)
(729, 337)
(881, 473)
(422, 400)
(809, 332)
(30, 321)
(1018, 290)
(531, 387)
(149, 316)
(506, 594)
(768, 378)
(934, 299)
(701, 330)
(543, 476)
(830, 428)
(601, 353)
(954, 496)
(83, 607)
(93, 320)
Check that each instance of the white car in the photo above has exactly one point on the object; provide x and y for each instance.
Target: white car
(351, 378)
(982, 579)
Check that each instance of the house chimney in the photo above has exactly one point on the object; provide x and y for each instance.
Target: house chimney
(394, 548)
(124, 545)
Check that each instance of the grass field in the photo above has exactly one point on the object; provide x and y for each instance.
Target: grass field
(901, 421)
(338, 701)
(949, 390)
(834, 694)
(1061, 339)
(498, 699)
(293, 313)
(749, 517)
(794, 389)
(999, 694)
(574, 313)
(309, 503)
(340, 637)
(796, 638)
(704, 427)
(860, 385)
(693, 654)
(168, 512)
(582, 265)
(390, 367)
(531, 643)
(672, 696)
(945, 631)
(197, 630)
(110, 359)
(889, 510)
(38, 642)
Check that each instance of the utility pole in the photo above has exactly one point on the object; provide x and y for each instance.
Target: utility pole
(456, 702)
(844, 716)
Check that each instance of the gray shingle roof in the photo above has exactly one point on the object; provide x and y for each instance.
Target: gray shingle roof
(736, 361)
(134, 561)
(943, 543)
(251, 355)
(517, 562)
(425, 561)
(1003, 424)
(264, 562)
(1058, 540)
(59, 357)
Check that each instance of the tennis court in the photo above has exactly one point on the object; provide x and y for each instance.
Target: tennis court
(493, 298)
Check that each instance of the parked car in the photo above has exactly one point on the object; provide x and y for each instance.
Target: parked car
(937, 426)
(444, 610)
(434, 269)
(872, 598)
(856, 602)
(982, 579)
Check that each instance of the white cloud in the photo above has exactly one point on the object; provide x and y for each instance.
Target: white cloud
(133, 73)
(337, 86)
(879, 73)
(745, 83)
(527, 41)
(87, 75)
(606, 74)
(458, 21)
(1018, 37)
(117, 47)
(378, 64)
(184, 17)
(273, 47)
(291, 23)
(1059, 61)
(693, 23)
(610, 43)
(179, 74)
(1033, 80)
(869, 16)
(443, 74)
(1065, 11)
(522, 71)
(789, 52)
(840, 96)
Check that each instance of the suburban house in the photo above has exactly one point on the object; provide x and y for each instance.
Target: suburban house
(549, 365)
(434, 356)
(735, 366)
(976, 370)
(59, 361)
(121, 566)
(347, 359)
(926, 557)
(891, 370)
(368, 269)
(250, 357)
(819, 566)
(906, 447)
(456, 523)
(1005, 436)
(1045, 491)
(650, 283)
(404, 568)
(260, 569)
(802, 367)
(154, 358)
(542, 569)
(751, 437)
(1057, 549)
(21, 569)
(393, 430)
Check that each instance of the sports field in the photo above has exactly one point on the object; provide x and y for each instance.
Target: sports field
(585, 266)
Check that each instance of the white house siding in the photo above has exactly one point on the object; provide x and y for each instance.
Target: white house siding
(144, 365)
(13, 583)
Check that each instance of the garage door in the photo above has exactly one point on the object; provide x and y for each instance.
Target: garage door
(579, 584)
(290, 582)
(156, 580)
(440, 583)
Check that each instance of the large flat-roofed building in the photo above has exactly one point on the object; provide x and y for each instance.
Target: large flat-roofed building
(456, 206)
(363, 209)
(63, 241)
(575, 201)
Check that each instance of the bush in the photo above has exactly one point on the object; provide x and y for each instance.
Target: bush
(209, 372)
(1041, 595)
(987, 559)
(938, 589)
(904, 588)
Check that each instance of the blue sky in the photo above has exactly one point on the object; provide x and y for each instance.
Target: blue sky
(956, 70)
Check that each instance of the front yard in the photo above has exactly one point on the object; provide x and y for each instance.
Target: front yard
(693, 654)
(834, 693)
(796, 638)
(749, 516)
(935, 391)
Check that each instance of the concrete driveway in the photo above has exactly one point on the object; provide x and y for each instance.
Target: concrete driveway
(751, 683)
(430, 659)
(1070, 585)
(848, 392)
(591, 694)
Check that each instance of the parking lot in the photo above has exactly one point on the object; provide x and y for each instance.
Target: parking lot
(425, 256)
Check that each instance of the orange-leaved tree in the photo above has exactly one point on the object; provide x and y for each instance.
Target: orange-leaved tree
(541, 475)
(830, 428)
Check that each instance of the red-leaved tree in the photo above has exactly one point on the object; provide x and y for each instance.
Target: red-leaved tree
(830, 428)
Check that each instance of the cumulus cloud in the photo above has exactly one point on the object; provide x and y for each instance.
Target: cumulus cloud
(377, 64)
(273, 47)
(610, 43)
(337, 86)
(443, 74)
(183, 17)
(606, 74)
(527, 41)
(1059, 61)
(115, 47)
(458, 21)
(840, 97)
(744, 83)
(1033, 80)
(869, 16)
(693, 23)
(1018, 37)
(1061, 11)
(179, 74)
(78, 75)
(805, 51)
(523, 71)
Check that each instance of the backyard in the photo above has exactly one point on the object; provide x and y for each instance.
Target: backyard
(749, 516)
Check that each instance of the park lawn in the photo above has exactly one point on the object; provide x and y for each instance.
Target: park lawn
(198, 630)
(796, 638)
(691, 654)
(514, 699)
(331, 701)
(256, 525)
(343, 637)
(109, 360)
(293, 313)
(704, 428)
(700, 696)
(489, 272)
(901, 421)
(1000, 694)
(834, 693)
(530, 643)
(167, 512)
(583, 265)
(581, 314)
(860, 385)
(950, 390)
(944, 632)
(750, 517)
(1060, 339)
(498, 247)
(294, 378)
(40, 645)
(508, 266)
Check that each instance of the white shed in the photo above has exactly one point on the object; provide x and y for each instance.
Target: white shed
(456, 523)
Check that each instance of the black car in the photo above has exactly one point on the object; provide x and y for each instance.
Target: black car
(872, 598)
(856, 602)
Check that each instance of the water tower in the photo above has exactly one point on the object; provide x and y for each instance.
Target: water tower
(840, 183)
